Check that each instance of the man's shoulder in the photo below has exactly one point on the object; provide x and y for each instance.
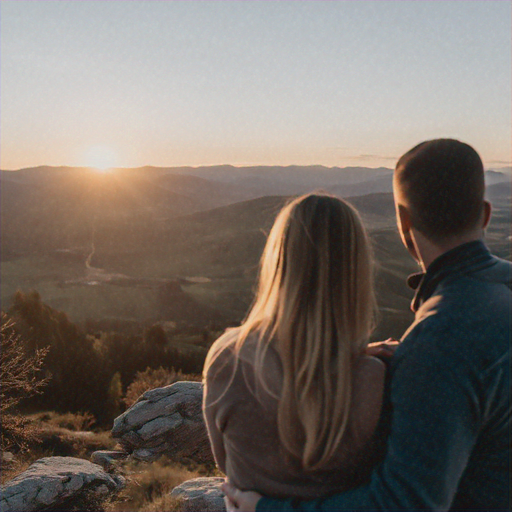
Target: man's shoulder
(464, 324)
(473, 297)
(498, 272)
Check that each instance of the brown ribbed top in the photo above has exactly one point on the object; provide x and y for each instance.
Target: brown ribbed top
(242, 425)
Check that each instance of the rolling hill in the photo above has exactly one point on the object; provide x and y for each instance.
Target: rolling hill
(147, 245)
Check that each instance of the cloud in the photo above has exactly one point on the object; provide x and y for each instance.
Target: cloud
(500, 162)
(361, 156)
(374, 157)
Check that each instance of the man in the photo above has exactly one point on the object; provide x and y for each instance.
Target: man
(449, 444)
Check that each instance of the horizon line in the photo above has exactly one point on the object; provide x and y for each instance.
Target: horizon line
(87, 167)
(503, 166)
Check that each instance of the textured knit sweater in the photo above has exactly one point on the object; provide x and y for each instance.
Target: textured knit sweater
(242, 424)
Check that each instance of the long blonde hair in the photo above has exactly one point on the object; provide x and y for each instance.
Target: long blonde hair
(315, 303)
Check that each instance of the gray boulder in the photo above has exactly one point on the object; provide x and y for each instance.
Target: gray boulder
(107, 458)
(201, 495)
(58, 483)
(166, 421)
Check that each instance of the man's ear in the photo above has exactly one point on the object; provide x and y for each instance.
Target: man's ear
(404, 218)
(405, 229)
(487, 214)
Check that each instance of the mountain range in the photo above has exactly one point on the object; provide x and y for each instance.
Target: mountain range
(182, 244)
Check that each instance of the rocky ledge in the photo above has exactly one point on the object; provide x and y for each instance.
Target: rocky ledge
(166, 421)
(201, 495)
(58, 483)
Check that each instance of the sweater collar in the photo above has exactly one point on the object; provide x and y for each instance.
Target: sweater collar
(453, 262)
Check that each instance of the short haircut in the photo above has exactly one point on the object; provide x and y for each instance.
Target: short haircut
(442, 184)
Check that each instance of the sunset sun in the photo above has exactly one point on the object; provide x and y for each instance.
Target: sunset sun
(102, 158)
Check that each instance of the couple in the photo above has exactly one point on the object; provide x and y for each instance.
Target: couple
(301, 410)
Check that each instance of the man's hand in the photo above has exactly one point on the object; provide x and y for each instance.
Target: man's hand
(239, 501)
(382, 348)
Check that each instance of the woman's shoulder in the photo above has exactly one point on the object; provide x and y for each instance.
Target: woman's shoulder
(238, 365)
(226, 342)
(222, 353)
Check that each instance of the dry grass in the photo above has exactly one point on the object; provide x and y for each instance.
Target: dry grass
(154, 378)
(165, 503)
(149, 485)
(77, 422)
(14, 468)
(55, 435)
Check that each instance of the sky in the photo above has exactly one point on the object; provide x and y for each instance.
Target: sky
(125, 83)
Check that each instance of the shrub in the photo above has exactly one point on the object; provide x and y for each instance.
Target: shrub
(115, 394)
(151, 379)
(19, 378)
(92, 372)
(17, 433)
(20, 374)
(79, 377)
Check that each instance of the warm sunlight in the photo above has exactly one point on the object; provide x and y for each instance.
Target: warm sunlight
(102, 158)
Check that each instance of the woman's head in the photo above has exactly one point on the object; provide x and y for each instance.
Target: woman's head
(315, 300)
(317, 264)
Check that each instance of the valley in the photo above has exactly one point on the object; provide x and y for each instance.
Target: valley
(149, 245)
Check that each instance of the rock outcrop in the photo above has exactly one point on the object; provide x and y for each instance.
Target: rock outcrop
(166, 421)
(107, 458)
(58, 483)
(201, 495)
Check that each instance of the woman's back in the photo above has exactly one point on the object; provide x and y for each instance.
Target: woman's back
(291, 400)
(242, 420)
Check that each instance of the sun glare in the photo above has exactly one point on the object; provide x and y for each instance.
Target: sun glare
(101, 158)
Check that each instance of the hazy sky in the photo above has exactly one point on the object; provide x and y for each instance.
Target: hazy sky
(130, 83)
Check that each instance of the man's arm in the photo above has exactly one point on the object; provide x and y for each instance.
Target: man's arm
(434, 427)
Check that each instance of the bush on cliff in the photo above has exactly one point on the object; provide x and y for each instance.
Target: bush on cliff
(79, 380)
(154, 378)
(20, 377)
(91, 372)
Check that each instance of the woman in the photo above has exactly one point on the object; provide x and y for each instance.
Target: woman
(291, 401)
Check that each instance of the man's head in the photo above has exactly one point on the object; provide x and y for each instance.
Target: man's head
(440, 186)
